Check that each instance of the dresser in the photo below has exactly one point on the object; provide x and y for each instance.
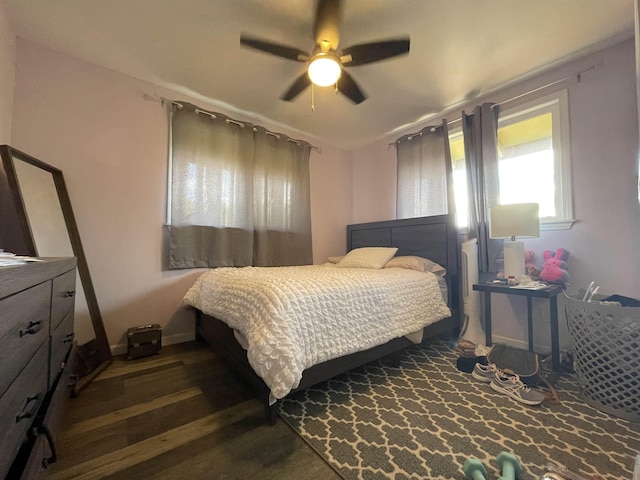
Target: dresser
(36, 348)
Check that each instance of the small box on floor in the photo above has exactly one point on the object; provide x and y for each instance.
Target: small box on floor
(144, 341)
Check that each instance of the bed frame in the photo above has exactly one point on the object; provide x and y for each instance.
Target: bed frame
(430, 237)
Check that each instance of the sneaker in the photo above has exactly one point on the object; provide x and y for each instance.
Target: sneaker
(484, 373)
(512, 385)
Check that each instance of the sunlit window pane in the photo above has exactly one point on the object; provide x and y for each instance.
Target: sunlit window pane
(529, 179)
(460, 196)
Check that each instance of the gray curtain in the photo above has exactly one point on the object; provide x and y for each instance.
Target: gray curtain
(282, 208)
(480, 131)
(424, 178)
(239, 194)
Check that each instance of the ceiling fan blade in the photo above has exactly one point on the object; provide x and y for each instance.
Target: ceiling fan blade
(274, 48)
(373, 52)
(348, 87)
(327, 23)
(296, 87)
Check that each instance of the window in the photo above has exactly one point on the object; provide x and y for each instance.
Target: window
(421, 176)
(456, 145)
(239, 194)
(534, 161)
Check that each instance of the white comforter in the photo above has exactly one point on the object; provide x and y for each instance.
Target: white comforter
(296, 317)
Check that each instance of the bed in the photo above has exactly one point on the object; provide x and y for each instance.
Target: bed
(433, 238)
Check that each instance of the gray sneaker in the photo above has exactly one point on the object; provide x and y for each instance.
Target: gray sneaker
(484, 373)
(512, 385)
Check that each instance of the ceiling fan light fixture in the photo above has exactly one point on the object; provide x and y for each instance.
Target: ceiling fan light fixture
(324, 69)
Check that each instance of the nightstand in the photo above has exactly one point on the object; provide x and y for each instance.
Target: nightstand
(550, 293)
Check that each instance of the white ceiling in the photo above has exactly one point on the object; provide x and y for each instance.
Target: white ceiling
(460, 49)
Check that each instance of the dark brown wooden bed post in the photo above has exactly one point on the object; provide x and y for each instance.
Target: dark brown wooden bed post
(271, 413)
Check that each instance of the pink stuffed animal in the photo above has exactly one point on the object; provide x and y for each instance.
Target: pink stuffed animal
(554, 269)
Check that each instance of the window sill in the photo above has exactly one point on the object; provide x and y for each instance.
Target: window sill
(559, 225)
(544, 226)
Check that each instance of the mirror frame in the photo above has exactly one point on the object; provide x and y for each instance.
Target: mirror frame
(102, 351)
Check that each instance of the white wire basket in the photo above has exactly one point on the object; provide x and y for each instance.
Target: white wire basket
(606, 355)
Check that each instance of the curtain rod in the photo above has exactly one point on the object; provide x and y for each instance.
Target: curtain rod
(550, 84)
(213, 116)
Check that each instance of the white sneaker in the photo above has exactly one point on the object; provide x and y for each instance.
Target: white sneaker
(512, 385)
(484, 373)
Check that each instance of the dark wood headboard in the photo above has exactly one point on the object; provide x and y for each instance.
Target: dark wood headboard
(435, 238)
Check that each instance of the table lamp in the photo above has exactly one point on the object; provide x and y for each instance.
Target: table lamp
(511, 221)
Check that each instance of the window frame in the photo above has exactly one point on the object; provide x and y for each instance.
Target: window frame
(557, 104)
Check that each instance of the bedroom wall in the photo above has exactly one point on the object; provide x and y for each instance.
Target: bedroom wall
(374, 182)
(604, 142)
(7, 73)
(111, 143)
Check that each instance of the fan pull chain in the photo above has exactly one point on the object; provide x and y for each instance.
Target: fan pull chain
(313, 97)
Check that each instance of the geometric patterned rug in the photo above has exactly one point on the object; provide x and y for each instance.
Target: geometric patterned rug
(423, 419)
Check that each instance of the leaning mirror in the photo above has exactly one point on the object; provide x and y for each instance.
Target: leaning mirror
(37, 220)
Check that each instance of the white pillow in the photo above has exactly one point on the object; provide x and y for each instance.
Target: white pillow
(420, 264)
(335, 259)
(367, 257)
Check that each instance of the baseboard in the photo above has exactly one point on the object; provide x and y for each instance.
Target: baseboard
(121, 348)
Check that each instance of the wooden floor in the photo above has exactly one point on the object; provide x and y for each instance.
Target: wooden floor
(179, 414)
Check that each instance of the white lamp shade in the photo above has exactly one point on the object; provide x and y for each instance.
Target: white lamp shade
(515, 220)
(324, 70)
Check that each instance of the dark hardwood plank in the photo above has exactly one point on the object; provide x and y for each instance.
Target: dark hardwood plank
(180, 414)
(246, 449)
(133, 388)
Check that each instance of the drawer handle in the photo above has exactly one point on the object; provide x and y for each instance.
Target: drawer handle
(68, 338)
(52, 446)
(32, 411)
(32, 327)
(71, 384)
(69, 293)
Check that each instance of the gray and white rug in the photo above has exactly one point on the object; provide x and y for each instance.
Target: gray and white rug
(424, 418)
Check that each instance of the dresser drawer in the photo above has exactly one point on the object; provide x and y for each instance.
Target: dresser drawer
(63, 297)
(33, 468)
(37, 454)
(61, 396)
(61, 342)
(24, 327)
(19, 405)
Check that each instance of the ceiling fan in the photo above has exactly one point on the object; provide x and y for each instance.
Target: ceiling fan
(326, 64)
